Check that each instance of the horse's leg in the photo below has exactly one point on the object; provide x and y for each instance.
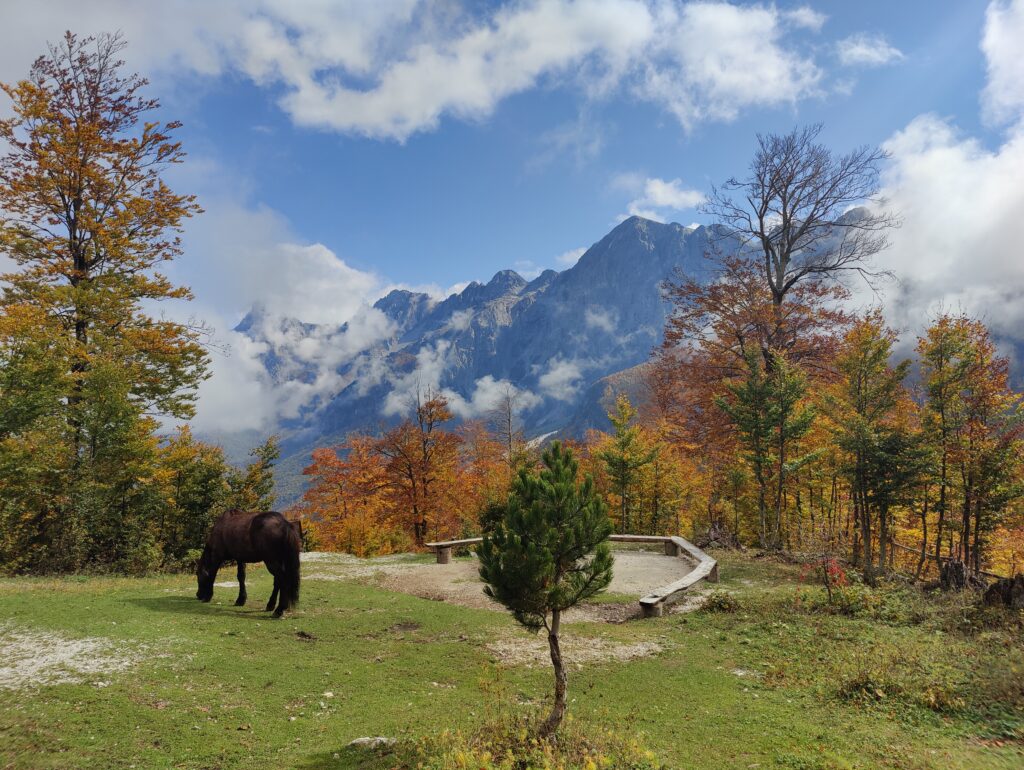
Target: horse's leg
(240, 601)
(212, 579)
(273, 596)
(277, 587)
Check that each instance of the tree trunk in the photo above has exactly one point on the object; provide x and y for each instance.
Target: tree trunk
(561, 678)
(883, 538)
(924, 537)
(762, 509)
(965, 534)
(976, 551)
(939, 525)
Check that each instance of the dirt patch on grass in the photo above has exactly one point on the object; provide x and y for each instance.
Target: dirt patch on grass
(523, 649)
(636, 573)
(319, 565)
(38, 658)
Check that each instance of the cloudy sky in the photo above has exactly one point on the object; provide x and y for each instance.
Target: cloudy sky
(340, 147)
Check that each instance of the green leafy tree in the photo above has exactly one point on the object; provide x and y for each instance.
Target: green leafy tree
(626, 458)
(549, 552)
(195, 476)
(253, 488)
(766, 409)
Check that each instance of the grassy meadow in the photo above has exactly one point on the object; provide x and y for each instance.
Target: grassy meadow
(769, 680)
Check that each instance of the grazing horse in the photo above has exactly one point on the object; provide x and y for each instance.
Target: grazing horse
(250, 537)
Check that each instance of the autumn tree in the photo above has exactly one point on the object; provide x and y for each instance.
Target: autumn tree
(87, 218)
(975, 423)
(420, 454)
(547, 553)
(885, 460)
(484, 472)
(347, 501)
(195, 477)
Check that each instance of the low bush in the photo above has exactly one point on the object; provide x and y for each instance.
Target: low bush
(720, 601)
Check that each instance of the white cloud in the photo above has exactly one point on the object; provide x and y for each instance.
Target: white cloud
(712, 60)
(460, 320)
(432, 361)
(1003, 45)
(562, 379)
(488, 394)
(528, 269)
(805, 17)
(655, 198)
(238, 397)
(864, 50)
(463, 72)
(961, 202)
(959, 245)
(600, 318)
(569, 258)
(392, 69)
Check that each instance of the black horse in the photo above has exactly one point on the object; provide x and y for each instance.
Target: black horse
(250, 537)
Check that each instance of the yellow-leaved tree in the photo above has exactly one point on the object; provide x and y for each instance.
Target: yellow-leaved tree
(87, 218)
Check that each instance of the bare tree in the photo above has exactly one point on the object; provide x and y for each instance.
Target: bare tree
(504, 422)
(794, 210)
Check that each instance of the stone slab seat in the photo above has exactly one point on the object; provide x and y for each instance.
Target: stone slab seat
(652, 605)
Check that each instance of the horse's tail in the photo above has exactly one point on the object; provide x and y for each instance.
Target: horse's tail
(291, 579)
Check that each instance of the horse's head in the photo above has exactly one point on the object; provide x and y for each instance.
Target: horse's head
(206, 573)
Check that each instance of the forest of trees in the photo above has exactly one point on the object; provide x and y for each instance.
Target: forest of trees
(776, 414)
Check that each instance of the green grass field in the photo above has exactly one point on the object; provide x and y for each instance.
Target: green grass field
(772, 684)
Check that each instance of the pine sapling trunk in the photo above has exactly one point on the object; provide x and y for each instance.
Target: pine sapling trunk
(561, 678)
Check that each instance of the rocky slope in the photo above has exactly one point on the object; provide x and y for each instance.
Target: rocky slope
(551, 341)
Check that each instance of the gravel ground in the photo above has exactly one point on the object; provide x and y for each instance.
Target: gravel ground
(636, 573)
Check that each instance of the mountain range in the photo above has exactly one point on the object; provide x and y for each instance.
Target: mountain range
(551, 343)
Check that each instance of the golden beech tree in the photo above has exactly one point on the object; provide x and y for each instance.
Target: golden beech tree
(484, 472)
(347, 501)
(975, 423)
(421, 460)
(87, 218)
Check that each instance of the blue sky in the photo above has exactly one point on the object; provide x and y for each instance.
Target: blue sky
(343, 148)
(543, 173)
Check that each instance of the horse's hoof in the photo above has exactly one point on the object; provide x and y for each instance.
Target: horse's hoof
(206, 601)
(278, 614)
(269, 608)
(239, 602)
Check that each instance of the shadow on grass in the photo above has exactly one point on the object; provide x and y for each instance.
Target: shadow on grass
(189, 605)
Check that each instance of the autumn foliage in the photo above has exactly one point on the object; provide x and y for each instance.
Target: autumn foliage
(86, 368)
